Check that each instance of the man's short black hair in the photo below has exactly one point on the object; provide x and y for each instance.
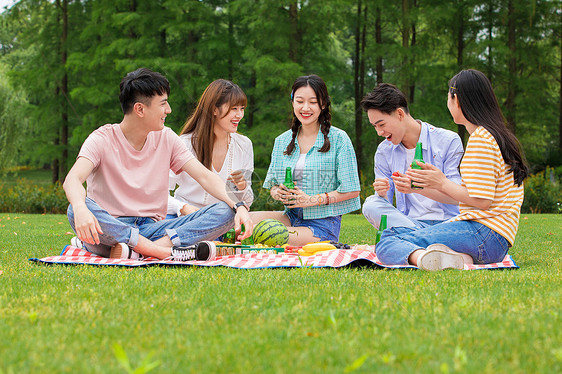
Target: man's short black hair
(385, 97)
(141, 85)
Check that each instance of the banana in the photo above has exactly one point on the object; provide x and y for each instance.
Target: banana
(313, 248)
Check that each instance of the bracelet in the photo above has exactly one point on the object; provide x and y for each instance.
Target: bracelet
(327, 199)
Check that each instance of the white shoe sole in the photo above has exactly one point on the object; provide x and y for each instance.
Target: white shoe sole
(439, 257)
(75, 242)
(122, 250)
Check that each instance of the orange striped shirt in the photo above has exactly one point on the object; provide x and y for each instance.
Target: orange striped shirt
(485, 175)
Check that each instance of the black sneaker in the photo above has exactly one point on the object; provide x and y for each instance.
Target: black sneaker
(202, 251)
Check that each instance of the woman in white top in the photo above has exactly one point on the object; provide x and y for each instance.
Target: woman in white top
(210, 133)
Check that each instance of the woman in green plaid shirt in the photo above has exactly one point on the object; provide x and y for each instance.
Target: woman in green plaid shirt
(324, 168)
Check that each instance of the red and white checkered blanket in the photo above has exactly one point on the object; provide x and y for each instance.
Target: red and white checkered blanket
(335, 258)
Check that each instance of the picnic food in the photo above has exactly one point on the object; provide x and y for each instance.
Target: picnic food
(271, 232)
(339, 245)
(228, 251)
(313, 248)
(396, 174)
(292, 249)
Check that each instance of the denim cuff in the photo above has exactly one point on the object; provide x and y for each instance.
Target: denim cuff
(133, 238)
(174, 237)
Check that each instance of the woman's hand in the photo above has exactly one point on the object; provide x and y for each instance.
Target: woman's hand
(297, 198)
(428, 177)
(187, 209)
(237, 177)
(278, 192)
(283, 194)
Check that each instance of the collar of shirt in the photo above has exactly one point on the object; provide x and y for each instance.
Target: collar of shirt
(423, 137)
(318, 143)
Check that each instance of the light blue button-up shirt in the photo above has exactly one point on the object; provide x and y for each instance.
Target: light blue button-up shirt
(335, 170)
(441, 147)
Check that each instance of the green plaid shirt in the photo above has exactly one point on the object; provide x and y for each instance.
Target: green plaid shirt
(335, 170)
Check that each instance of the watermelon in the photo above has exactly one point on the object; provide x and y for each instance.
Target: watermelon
(270, 232)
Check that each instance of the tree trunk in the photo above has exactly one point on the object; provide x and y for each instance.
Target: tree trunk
(357, 86)
(363, 46)
(230, 46)
(65, 93)
(251, 100)
(359, 78)
(411, 62)
(61, 140)
(461, 130)
(133, 9)
(512, 66)
(295, 34)
(378, 39)
(405, 45)
(490, 20)
(560, 107)
(55, 165)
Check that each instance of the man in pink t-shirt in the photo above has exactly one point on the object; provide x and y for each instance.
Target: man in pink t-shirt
(126, 169)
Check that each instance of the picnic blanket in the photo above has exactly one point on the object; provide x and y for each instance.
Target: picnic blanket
(358, 255)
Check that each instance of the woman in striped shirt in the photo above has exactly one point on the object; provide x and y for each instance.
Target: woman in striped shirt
(490, 196)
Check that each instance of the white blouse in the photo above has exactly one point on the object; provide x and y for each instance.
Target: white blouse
(240, 156)
(299, 169)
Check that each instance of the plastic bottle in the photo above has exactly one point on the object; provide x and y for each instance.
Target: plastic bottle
(417, 157)
(382, 227)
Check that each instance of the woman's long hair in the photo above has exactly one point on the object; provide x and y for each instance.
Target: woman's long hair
(325, 117)
(480, 107)
(202, 120)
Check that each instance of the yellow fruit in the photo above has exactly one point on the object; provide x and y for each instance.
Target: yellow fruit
(312, 248)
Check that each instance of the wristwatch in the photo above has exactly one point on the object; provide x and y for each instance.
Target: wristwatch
(239, 204)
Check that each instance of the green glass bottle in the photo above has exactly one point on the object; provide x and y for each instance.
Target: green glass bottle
(418, 156)
(229, 237)
(289, 179)
(249, 240)
(382, 227)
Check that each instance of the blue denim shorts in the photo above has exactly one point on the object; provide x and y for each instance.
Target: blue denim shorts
(324, 228)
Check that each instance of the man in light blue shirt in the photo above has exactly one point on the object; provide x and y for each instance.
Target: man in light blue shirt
(388, 112)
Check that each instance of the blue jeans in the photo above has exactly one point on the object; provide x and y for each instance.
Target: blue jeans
(324, 228)
(205, 224)
(375, 206)
(483, 244)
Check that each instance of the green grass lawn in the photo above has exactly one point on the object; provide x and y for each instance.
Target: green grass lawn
(39, 177)
(203, 320)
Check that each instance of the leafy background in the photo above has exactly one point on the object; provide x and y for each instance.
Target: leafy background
(61, 63)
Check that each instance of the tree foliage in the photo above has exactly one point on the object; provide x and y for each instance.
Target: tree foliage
(61, 62)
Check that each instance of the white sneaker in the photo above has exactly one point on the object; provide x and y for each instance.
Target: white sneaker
(122, 250)
(439, 257)
(75, 242)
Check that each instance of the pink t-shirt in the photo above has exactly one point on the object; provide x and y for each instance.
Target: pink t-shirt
(127, 182)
